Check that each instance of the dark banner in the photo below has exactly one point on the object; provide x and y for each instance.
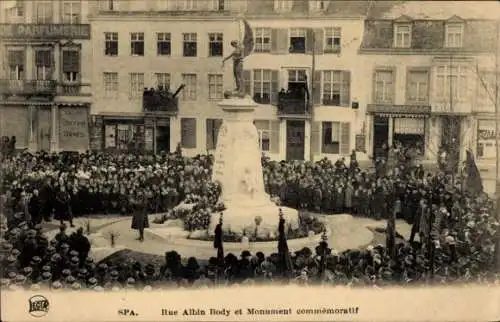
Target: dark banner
(49, 31)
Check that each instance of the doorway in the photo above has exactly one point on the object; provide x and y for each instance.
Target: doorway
(295, 132)
(450, 138)
(162, 138)
(380, 136)
(44, 128)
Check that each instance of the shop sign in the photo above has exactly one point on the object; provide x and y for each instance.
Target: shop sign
(45, 31)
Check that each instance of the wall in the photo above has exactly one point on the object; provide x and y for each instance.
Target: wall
(150, 63)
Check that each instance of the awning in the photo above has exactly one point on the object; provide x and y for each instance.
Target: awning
(410, 111)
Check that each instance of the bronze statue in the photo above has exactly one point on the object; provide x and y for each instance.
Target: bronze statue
(239, 53)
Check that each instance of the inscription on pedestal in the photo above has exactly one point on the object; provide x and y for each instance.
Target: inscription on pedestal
(219, 164)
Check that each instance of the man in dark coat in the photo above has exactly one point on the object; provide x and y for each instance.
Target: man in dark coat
(80, 243)
(140, 216)
(47, 200)
(63, 206)
(34, 208)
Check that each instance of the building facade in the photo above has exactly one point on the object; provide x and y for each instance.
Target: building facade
(45, 77)
(430, 80)
(301, 74)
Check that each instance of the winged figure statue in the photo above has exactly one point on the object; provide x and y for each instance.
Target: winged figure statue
(241, 50)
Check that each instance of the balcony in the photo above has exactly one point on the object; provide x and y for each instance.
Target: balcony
(293, 106)
(28, 87)
(73, 89)
(160, 101)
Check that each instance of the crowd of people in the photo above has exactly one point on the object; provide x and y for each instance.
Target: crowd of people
(453, 228)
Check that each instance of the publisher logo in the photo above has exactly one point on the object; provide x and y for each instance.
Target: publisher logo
(38, 305)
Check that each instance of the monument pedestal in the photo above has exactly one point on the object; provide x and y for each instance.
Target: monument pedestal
(238, 168)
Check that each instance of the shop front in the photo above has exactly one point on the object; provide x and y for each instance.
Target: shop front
(485, 149)
(15, 122)
(132, 134)
(398, 125)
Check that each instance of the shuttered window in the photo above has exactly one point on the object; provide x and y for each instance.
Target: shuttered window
(43, 63)
(335, 138)
(188, 133)
(71, 61)
(16, 61)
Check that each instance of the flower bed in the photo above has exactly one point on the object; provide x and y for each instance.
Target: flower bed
(309, 225)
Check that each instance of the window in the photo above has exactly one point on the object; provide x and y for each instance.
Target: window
(71, 66)
(189, 91)
(190, 45)
(384, 86)
(136, 85)
(218, 5)
(43, 12)
(188, 133)
(137, 44)
(188, 4)
(486, 139)
(43, 64)
(111, 43)
(335, 138)
(16, 64)
(213, 127)
(331, 138)
(215, 87)
(71, 12)
(298, 40)
(262, 40)
(297, 75)
(332, 36)
(418, 86)
(336, 87)
(215, 45)
(110, 84)
(451, 82)
(402, 36)
(264, 131)
(454, 35)
(163, 46)
(262, 86)
(162, 80)
(283, 5)
(15, 14)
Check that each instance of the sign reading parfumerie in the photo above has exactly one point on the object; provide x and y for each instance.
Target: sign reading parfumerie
(44, 31)
(74, 129)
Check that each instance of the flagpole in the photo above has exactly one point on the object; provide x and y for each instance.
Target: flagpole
(311, 97)
(497, 148)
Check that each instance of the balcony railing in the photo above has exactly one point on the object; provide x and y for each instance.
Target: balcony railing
(27, 87)
(292, 105)
(75, 89)
(160, 100)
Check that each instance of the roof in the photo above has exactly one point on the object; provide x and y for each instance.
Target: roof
(443, 10)
(337, 8)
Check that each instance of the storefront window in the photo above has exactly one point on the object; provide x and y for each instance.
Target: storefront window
(125, 137)
(486, 139)
(410, 133)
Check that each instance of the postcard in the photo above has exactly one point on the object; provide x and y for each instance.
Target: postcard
(238, 160)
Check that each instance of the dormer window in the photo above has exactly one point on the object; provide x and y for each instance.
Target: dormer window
(454, 35)
(402, 35)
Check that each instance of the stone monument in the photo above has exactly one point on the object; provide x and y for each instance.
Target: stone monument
(237, 164)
